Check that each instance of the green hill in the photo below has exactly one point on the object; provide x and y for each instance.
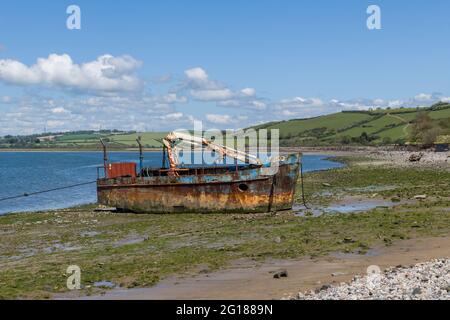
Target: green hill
(382, 126)
(83, 140)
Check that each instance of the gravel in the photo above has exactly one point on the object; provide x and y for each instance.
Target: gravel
(424, 281)
(401, 158)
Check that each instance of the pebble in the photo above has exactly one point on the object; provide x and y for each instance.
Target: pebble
(423, 281)
(337, 274)
(401, 158)
(280, 274)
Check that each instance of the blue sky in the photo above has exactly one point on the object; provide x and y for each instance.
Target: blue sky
(228, 63)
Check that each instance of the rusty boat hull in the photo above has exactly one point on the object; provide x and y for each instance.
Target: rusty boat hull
(249, 189)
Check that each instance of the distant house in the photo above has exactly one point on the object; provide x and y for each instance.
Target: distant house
(48, 138)
(442, 144)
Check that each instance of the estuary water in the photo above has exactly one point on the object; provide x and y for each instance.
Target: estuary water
(28, 172)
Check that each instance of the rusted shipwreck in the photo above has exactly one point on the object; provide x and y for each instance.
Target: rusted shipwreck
(247, 186)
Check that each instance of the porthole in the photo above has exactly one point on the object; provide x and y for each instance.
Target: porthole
(243, 187)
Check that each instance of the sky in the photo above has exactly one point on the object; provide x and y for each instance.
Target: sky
(163, 64)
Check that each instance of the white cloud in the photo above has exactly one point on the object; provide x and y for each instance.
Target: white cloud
(59, 110)
(257, 104)
(299, 102)
(288, 113)
(212, 95)
(423, 97)
(197, 74)
(229, 103)
(300, 107)
(394, 103)
(30, 114)
(202, 88)
(379, 102)
(173, 116)
(6, 99)
(244, 103)
(53, 124)
(219, 118)
(174, 98)
(249, 92)
(105, 74)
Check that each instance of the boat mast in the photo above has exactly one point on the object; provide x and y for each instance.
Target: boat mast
(141, 155)
(105, 156)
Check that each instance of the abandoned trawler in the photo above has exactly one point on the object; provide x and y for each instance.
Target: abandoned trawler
(238, 188)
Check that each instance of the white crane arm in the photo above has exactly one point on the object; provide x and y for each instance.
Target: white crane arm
(174, 137)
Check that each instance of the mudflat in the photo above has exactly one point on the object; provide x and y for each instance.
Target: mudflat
(249, 280)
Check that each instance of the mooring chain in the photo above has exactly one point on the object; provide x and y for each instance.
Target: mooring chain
(24, 195)
(303, 188)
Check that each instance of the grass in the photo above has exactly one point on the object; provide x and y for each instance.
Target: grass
(333, 121)
(392, 123)
(91, 141)
(148, 139)
(118, 140)
(139, 250)
(440, 114)
(400, 132)
(79, 137)
(371, 127)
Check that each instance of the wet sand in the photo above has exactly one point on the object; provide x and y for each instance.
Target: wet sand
(250, 280)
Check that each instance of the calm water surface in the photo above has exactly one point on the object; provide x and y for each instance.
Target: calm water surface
(26, 172)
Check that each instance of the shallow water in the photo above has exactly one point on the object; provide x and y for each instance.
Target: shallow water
(373, 252)
(347, 207)
(26, 172)
(359, 206)
(105, 284)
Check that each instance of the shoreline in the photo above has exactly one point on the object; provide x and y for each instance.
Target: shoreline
(73, 150)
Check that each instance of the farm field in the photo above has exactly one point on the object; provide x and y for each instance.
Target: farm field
(392, 124)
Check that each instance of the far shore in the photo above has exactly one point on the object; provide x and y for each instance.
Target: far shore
(282, 149)
(308, 150)
(77, 150)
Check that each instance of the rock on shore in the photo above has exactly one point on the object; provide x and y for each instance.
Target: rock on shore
(403, 158)
(424, 281)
